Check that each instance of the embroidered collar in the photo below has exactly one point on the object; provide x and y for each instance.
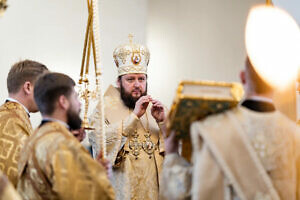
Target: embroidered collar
(14, 100)
(49, 119)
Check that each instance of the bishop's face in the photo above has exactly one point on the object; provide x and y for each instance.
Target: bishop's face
(132, 86)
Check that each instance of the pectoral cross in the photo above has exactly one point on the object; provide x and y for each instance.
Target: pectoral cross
(134, 145)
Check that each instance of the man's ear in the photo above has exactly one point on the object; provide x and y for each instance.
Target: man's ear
(27, 88)
(63, 102)
(243, 77)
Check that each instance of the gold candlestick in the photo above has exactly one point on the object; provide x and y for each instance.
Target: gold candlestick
(3, 7)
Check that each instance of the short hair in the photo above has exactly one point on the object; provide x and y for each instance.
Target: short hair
(259, 85)
(20, 72)
(49, 87)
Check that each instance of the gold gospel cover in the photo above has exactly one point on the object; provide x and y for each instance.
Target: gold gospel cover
(197, 99)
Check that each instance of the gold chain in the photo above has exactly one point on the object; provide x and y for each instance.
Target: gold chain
(146, 130)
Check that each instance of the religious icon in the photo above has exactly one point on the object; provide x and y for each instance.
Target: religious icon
(136, 58)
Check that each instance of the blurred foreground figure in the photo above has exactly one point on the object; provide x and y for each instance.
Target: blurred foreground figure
(250, 152)
(7, 190)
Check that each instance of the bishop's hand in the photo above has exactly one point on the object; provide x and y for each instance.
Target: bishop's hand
(158, 111)
(141, 105)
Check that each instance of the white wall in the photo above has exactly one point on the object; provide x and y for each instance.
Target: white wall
(195, 39)
(52, 32)
(291, 6)
(188, 39)
(203, 40)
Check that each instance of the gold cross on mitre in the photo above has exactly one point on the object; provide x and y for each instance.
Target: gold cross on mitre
(130, 37)
(269, 2)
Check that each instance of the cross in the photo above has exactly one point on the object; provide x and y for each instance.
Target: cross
(269, 2)
(130, 37)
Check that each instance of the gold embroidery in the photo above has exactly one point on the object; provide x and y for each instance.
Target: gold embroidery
(132, 69)
(147, 145)
(134, 145)
(122, 55)
(5, 148)
(131, 58)
(15, 128)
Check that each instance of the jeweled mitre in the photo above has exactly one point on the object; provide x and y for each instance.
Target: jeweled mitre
(131, 59)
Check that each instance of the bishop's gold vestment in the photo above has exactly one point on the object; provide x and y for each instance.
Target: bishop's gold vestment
(7, 190)
(275, 142)
(15, 128)
(54, 165)
(136, 164)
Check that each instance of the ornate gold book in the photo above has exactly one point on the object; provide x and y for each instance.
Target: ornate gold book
(197, 99)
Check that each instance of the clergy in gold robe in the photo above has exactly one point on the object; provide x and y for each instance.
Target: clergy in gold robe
(250, 152)
(53, 164)
(133, 137)
(15, 126)
(7, 190)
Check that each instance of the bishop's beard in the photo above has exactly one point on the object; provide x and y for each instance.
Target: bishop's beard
(128, 100)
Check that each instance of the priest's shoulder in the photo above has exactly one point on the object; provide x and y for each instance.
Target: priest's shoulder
(13, 115)
(284, 122)
(215, 119)
(10, 108)
(51, 137)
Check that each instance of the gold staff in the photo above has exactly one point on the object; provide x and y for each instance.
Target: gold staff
(91, 43)
(3, 7)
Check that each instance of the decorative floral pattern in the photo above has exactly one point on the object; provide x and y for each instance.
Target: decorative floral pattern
(131, 58)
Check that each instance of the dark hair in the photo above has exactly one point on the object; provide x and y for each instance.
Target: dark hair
(48, 88)
(23, 71)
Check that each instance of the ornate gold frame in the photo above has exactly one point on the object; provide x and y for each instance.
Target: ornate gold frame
(181, 121)
(237, 93)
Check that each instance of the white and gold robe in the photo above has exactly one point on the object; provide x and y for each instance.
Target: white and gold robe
(7, 190)
(15, 128)
(134, 177)
(54, 165)
(274, 143)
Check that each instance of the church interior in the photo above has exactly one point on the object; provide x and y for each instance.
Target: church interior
(194, 40)
(152, 91)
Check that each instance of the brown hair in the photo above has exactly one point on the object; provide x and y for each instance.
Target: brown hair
(259, 85)
(23, 71)
(48, 88)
